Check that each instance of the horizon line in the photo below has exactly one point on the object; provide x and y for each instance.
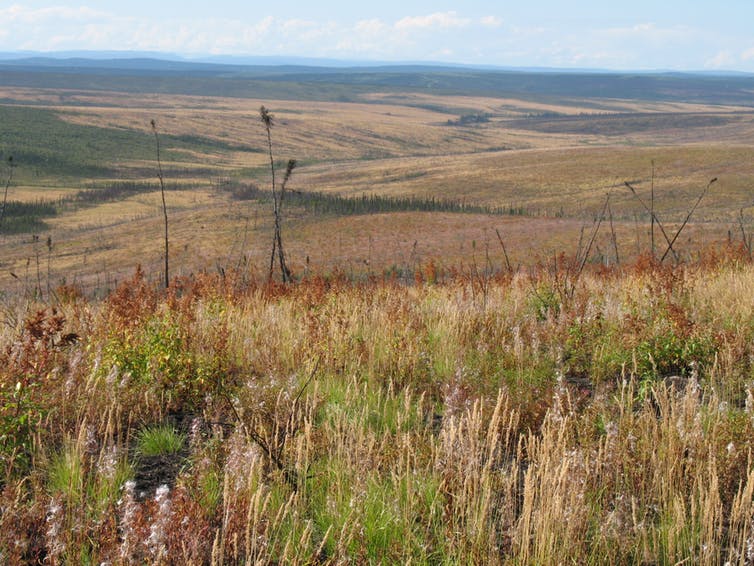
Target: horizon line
(112, 55)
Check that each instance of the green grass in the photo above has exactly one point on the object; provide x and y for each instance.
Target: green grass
(159, 440)
(43, 145)
(66, 474)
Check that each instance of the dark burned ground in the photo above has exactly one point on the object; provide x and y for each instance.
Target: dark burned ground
(153, 471)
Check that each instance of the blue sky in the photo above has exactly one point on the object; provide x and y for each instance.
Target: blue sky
(642, 34)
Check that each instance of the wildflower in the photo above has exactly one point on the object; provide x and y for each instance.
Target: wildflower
(55, 531)
(125, 379)
(560, 400)
(112, 375)
(108, 464)
(158, 529)
(91, 443)
(128, 520)
(195, 433)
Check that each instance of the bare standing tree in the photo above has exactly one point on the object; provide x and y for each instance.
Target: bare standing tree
(277, 201)
(8, 181)
(164, 206)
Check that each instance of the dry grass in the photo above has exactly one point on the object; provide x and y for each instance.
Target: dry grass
(400, 125)
(395, 144)
(512, 423)
(574, 180)
(97, 246)
(457, 412)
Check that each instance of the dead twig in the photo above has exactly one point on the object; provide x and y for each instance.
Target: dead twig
(654, 217)
(612, 233)
(8, 181)
(164, 206)
(746, 238)
(593, 237)
(688, 217)
(272, 437)
(505, 252)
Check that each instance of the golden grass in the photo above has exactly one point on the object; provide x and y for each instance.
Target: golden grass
(572, 180)
(392, 146)
(490, 418)
(98, 245)
(395, 127)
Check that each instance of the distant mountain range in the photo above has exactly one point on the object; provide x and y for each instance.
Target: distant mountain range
(160, 61)
(297, 78)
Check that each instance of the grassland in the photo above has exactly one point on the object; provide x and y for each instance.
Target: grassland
(466, 419)
(542, 157)
(465, 371)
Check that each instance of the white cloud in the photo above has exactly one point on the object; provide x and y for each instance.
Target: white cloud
(371, 27)
(442, 20)
(649, 31)
(491, 22)
(371, 38)
(748, 54)
(306, 31)
(722, 59)
(263, 26)
(447, 35)
(297, 25)
(23, 15)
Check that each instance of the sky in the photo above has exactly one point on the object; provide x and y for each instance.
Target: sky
(639, 35)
